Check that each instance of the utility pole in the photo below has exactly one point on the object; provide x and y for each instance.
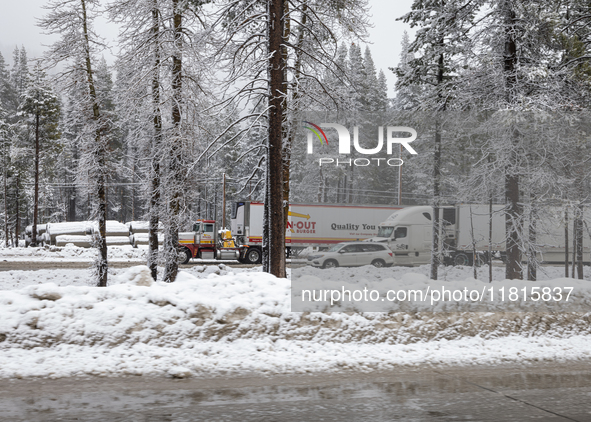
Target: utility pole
(400, 179)
(224, 202)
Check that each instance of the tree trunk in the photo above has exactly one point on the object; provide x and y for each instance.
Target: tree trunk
(532, 261)
(512, 223)
(274, 204)
(566, 255)
(99, 151)
(6, 226)
(156, 153)
(36, 194)
(72, 190)
(295, 98)
(435, 254)
(574, 254)
(490, 234)
(17, 223)
(579, 236)
(513, 211)
(436, 246)
(175, 164)
(288, 129)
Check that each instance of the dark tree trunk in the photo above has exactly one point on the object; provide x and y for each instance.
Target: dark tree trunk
(566, 256)
(36, 194)
(436, 204)
(578, 222)
(6, 225)
(274, 204)
(175, 160)
(436, 246)
(156, 153)
(72, 191)
(532, 261)
(490, 235)
(512, 222)
(17, 223)
(574, 254)
(513, 211)
(99, 151)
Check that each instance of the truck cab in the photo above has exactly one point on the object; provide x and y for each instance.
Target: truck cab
(202, 242)
(409, 233)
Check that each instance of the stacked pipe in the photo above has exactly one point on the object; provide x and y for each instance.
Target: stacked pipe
(117, 233)
(41, 228)
(76, 232)
(139, 233)
(81, 233)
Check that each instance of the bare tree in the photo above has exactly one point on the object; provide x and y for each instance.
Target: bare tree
(71, 20)
(439, 39)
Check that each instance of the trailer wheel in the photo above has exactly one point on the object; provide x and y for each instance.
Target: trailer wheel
(184, 256)
(330, 263)
(378, 263)
(461, 259)
(253, 256)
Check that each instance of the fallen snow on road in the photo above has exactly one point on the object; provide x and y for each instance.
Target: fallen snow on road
(220, 320)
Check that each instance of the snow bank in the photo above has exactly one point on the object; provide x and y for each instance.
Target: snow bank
(211, 306)
(217, 319)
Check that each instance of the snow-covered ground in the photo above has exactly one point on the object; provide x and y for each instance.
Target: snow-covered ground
(220, 320)
(72, 253)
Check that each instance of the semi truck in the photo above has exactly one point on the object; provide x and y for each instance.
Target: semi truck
(317, 225)
(205, 242)
(466, 234)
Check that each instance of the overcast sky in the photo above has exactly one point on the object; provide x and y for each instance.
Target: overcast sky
(18, 27)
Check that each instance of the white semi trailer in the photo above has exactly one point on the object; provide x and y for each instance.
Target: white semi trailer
(318, 225)
(466, 234)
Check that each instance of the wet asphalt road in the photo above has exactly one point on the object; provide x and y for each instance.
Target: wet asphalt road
(543, 392)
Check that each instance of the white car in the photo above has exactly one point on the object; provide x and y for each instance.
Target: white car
(353, 254)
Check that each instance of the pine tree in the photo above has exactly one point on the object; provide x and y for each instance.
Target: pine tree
(441, 37)
(4, 136)
(41, 106)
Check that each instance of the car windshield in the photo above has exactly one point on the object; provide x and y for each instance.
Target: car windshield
(385, 231)
(196, 227)
(336, 247)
